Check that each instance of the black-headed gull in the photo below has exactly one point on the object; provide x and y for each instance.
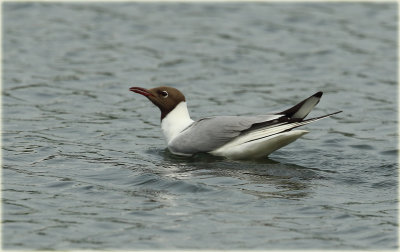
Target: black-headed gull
(236, 137)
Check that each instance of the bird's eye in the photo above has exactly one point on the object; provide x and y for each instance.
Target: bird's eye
(164, 94)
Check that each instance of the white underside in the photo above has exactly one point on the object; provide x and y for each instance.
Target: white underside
(176, 121)
(258, 148)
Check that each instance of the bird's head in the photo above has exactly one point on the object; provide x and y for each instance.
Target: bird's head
(165, 98)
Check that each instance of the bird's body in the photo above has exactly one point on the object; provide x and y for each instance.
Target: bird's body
(236, 137)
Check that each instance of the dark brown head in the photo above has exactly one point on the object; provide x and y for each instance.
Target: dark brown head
(165, 98)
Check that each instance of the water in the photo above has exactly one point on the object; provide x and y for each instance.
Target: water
(85, 164)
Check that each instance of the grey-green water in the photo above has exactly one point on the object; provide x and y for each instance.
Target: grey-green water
(85, 164)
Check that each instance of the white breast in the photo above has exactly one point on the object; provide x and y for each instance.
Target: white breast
(176, 121)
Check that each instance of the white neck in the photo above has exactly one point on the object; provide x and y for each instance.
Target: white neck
(176, 121)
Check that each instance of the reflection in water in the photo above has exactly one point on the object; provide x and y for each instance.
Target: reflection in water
(283, 180)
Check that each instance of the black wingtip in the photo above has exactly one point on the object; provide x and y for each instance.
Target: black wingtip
(319, 94)
(293, 111)
(324, 116)
(334, 113)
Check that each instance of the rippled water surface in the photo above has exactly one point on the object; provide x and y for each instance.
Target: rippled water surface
(84, 162)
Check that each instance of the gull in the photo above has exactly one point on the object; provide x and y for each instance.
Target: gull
(234, 137)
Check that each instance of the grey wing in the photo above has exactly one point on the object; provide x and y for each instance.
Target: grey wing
(210, 133)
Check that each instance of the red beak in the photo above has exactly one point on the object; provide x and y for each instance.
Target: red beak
(141, 91)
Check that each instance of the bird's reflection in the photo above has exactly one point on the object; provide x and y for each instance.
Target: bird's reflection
(262, 178)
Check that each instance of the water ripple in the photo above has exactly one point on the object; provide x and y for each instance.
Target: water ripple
(84, 162)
